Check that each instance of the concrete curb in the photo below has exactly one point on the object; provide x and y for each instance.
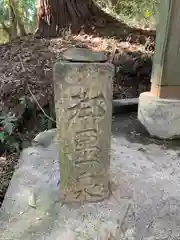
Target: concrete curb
(125, 105)
(125, 102)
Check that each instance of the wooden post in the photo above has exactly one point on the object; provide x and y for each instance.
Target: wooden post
(166, 64)
(159, 109)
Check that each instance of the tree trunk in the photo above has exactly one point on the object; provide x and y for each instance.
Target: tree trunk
(15, 21)
(21, 28)
(6, 29)
(14, 6)
(54, 15)
(12, 29)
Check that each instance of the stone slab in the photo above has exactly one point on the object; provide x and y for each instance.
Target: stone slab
(128, 105)
(83, 55)
(32, 210)
(145, 204)
(125, 102)
(161, 117)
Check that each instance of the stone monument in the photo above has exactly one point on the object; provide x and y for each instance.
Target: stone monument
(83, 104)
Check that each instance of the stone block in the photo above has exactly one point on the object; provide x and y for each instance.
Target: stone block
(83, 104)
(161, 117)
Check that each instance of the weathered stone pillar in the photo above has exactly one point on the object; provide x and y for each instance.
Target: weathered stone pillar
(83, 103)
(159, 109)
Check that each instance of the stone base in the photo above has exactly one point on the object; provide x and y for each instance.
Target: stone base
(144, 204)
(32, 209)
(161, 117)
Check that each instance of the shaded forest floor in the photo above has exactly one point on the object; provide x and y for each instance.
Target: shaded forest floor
(26, 81)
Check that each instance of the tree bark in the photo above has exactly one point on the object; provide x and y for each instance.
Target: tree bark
(6, 29)
(14, 6)
(54, 15)
(11, 29)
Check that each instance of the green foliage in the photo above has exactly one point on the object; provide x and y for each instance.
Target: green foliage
(44, 122)
(7, 122)
(27, 11)
(4, 10)
(26, 101)
(137, 7)
(8, 136)
(134, 9)
(4, 16)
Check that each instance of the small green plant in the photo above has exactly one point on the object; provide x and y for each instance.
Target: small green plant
(44, 122)
(7, 121)
(26, 101)
(8, 131)
(148, 14)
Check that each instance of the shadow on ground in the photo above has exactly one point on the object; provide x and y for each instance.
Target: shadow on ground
(123, 32)
(103, 24)
(135, 132)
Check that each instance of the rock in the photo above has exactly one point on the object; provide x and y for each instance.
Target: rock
(44, 138)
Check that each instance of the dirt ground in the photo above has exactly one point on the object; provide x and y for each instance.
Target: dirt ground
(26, 71)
